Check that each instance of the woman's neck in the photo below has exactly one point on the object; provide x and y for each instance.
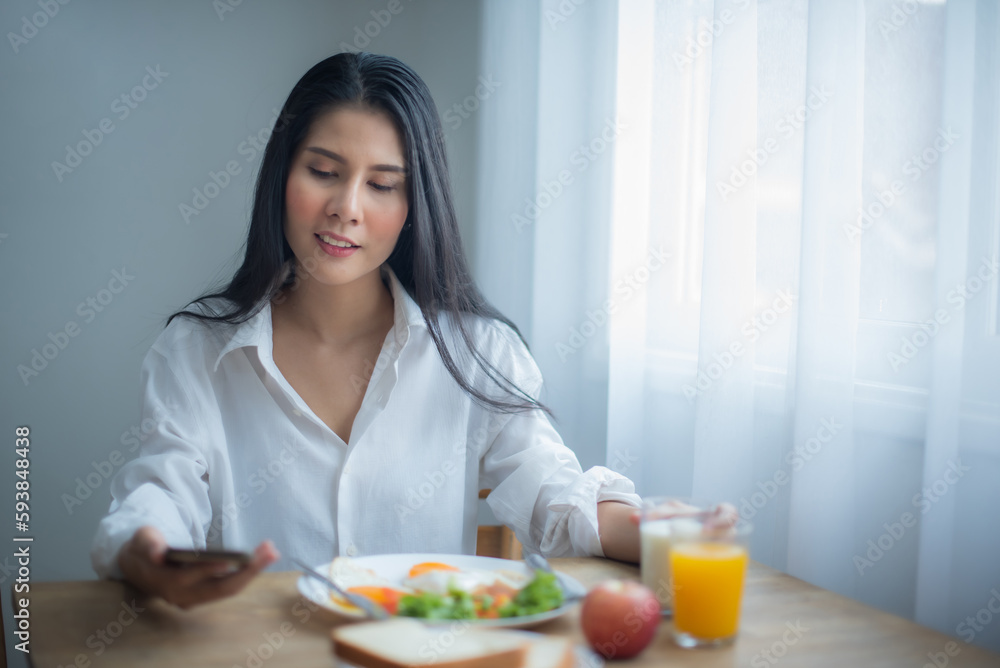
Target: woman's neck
(338, 314)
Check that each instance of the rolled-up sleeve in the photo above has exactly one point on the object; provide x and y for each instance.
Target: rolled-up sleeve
(167, 485)
(540, 491)
(539, 488)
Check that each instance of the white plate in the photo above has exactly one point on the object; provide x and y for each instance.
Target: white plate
(395, 567)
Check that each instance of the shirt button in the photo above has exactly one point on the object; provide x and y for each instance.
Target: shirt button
(352, 550)
(297, 412)
(347, 469)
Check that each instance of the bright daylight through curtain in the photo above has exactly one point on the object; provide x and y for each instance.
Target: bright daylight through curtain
(821, 345)
(768, 273)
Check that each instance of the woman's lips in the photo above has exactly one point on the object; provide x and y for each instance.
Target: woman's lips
(335, 251)
(333, 238)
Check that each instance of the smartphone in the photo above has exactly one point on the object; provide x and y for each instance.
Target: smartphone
(234, 558)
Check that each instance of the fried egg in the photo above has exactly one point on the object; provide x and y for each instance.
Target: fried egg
(346, 573)
(430, 577)
(366, 582)
(438, 578)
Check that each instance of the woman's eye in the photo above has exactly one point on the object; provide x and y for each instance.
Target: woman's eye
(381, 188)
(321, 174)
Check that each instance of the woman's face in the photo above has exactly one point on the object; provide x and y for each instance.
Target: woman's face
(346, 196)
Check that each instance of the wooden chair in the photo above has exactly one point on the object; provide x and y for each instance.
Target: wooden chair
(496, 540)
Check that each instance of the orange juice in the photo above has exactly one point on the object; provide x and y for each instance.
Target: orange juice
(708, 581)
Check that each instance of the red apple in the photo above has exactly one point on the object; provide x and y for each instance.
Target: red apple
(619, 618)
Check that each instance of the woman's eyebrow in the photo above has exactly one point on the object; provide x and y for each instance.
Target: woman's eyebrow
(339, 158)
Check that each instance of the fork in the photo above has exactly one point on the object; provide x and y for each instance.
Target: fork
(368, 606)
(572, 590)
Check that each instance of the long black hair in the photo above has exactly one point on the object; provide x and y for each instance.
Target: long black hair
(428, 258)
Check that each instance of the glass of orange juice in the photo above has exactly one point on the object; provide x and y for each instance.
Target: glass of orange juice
(708, 570)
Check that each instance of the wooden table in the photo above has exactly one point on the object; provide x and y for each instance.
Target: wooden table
(269, 624)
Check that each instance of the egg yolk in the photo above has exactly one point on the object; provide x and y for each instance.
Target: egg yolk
(428, 566)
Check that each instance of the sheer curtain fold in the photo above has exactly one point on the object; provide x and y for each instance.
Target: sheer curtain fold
(724, 415)
(945, 398)
(820, 344)
(821, 536)
(547, 141)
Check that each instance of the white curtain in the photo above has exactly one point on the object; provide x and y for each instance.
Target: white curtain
(778, 285)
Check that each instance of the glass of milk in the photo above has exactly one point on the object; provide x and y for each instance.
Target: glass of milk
(664, 520)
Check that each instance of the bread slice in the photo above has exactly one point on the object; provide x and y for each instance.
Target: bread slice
(550, 652)
(408, 643)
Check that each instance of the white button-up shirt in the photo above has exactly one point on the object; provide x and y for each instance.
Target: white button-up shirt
(236, 456)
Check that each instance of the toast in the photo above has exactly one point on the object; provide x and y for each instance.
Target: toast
(550, 652)
(407, 643)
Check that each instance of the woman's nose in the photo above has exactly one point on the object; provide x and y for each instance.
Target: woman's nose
(345, 202)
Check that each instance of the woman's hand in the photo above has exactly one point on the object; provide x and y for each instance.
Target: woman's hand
(618, 524)
(142, 563)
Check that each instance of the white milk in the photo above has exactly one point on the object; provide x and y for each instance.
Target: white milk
(656, 538)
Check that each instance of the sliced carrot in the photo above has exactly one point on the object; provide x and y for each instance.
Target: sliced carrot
(387, 597)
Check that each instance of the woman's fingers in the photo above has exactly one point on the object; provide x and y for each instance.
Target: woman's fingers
(219, 587)
(191, 575)
(722, 515)
(149, 543)
(212, 586)
(143, 552)
(671, 509)
(267, 552)
(143, 564)
(728, 511)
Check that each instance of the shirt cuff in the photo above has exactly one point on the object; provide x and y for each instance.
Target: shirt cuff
(576, 506)
(145, 506)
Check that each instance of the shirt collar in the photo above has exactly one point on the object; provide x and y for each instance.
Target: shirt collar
(254, 332)
(406, 312)
(257, 332)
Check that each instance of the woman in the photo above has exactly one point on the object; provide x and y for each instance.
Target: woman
(350, 390)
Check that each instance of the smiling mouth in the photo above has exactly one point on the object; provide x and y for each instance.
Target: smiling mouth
(335, 242)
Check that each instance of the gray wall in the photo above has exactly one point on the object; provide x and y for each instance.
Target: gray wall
(63, 236)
